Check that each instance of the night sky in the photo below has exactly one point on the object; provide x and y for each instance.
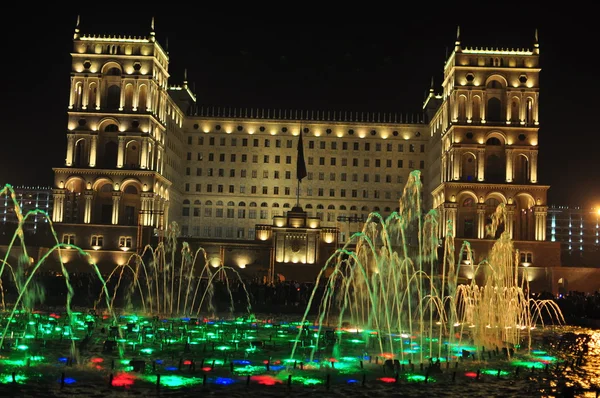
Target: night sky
(371, 61)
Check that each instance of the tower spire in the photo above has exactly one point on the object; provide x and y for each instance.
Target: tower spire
(76, 34)
(185, 82)
(152, 33)
(457, 42)
(431, 86)
(536, 43)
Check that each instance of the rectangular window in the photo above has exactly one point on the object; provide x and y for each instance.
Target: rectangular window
(255, 142)
(400, 147)
(310, 161)
(232, 157)
(265, 173)
(244, 158)
(311, 144)
(287, 190)
(277, 143)
(98, 240)
(189, 156)
(211, 157)
(230, 213)
(388, 163)
(125, 242)
(321, 176)
(211, 141)
(288, 160)
(187, 187)
(275, 190)
(221, 172)
(322, 145)
(354, 193)
(400, 163)
(254, 158)
(355, 162)
(344, 146)
(377, 178)
(411, 147)
(289, 143)
(343, 177)
(265, 190)
(332, 192)
(411, 164)
(367, 146)
(288, 175)
(377, 162)
(422, 148)
(253, 189)
(265, 158)
(232, 173)
(198, 187)
(242, 189)
(187, 171)
(276, 174)
(241, 213)
(234, 142)
(421, 164)
(333, 145)
(344, 162)
(355, 146)
(367, 163)
(208, 212)
(198, 172)
(378, 147)
(219, 213)
(220, 188)
(244, 141)
(320, 192)
(354, 177)
(200, 140)
(267, 143)
(366, 178)
(331, 176)
(332, 161)
(343, 193)
(277, 159)
(185, 211)
(231, 189)
(222, 141)
(243, 173)
(209, 188)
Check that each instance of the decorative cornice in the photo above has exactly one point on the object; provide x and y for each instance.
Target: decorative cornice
(484, 185)
(112, 172)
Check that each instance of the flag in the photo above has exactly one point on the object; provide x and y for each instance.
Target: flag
(300, 164)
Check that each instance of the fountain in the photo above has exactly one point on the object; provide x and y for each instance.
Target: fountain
(388, 309)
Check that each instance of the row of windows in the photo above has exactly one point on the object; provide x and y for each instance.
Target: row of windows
(263, 214)
(218, 232)
(98, 240)
(331, 192)
(333, 145)
(311, 161)
(210, 172)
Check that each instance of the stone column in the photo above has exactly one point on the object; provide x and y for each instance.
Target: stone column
(510, 220)
(541, 213)
(450, 210)
(70, 149)
(166, 215)
(71, 95)
(93, 149)
(58, 205)
(455, 165)
(144, 156)
(533, 167)
(480, 164)
(508, 107)
(84, 92)
(481, 221)
(87, 213)
(483, 109)
(509, 165)
(98, 96)
(136, 95)
(122, 100)
(121, 152)
(116, 197)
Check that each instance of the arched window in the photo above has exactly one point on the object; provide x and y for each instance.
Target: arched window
(275, 205)
(109, 159)
(111, 128)
(230, 203)
(264, 204)
(331, 207)
(309, 206)
(80, 154)
(208, 203)
(494, 109)
(130, 189)
(242, 204)
(113, 99)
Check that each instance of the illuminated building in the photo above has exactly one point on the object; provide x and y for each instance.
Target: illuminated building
(29, 198)
(142, 152)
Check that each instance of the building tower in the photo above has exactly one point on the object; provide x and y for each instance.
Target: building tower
(115, 181)
(485, 134)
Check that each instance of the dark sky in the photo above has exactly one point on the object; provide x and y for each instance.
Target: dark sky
(361, 61)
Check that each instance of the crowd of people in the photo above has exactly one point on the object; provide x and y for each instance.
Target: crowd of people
(282, 297)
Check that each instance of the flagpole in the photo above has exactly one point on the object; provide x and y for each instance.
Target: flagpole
(298, 195)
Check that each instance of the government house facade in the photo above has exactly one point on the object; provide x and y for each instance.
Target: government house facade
(142, 153)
